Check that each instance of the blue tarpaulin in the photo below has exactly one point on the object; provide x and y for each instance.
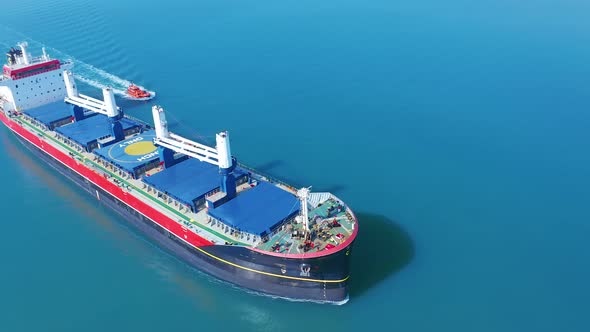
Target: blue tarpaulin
(189, 180)
(50, 113)
(258, 210)
(91, 129)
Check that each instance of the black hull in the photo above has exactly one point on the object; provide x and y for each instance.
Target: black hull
(323, 279)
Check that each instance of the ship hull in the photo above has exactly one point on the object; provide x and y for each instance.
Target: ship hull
(320, 279)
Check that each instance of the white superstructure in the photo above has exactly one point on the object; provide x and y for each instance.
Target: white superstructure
(29, 82)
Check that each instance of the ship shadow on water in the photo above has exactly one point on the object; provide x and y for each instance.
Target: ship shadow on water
(381, 249)
(269, 166)
(334, 189)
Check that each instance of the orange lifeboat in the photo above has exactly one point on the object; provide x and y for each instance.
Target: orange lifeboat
(135, 92)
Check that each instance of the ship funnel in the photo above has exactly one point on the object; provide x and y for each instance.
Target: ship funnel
(23, 46)
(160, 122)
(45, 56)
(70, 84)
(109, 103)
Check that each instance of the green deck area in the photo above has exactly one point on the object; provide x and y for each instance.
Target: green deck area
(322, 233)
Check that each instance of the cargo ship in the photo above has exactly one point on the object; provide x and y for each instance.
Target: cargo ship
(195, 201)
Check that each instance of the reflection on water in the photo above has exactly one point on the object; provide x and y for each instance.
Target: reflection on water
(381, 249)
(59, 185)
(269, 166)
(124, 238)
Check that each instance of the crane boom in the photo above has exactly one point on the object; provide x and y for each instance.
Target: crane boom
(107, 106)
(220, 156)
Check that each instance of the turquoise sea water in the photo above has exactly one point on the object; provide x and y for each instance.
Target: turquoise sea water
(457, 130)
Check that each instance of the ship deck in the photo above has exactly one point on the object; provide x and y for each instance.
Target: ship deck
(329, 225)
(329, 228)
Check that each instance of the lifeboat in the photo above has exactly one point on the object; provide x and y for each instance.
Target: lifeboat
(136, 92)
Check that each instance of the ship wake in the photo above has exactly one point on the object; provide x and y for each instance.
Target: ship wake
(84, 72)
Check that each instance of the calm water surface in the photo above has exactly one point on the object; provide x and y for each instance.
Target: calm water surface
(457, 130)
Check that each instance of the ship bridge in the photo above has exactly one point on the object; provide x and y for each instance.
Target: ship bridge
(21, 64)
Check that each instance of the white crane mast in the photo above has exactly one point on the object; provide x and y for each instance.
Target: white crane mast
(107, 106)
(223, 150)
(219, 157)
(302, 194)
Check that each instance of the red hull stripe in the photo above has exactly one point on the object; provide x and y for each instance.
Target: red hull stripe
(148, 211)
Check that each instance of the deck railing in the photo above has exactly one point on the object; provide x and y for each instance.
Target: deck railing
(256, 174)
(265, 177)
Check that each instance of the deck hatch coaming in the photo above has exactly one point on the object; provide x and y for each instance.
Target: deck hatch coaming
(89, 130)
(131, 154)
(258, 210)
(50, 114)
(188, 181)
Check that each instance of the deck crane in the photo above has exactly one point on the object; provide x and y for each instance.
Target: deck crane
(84, 105)
(303, 217)
(106, 107)
(219, 156)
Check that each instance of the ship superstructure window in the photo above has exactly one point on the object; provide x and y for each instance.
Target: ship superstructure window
(35, 71)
